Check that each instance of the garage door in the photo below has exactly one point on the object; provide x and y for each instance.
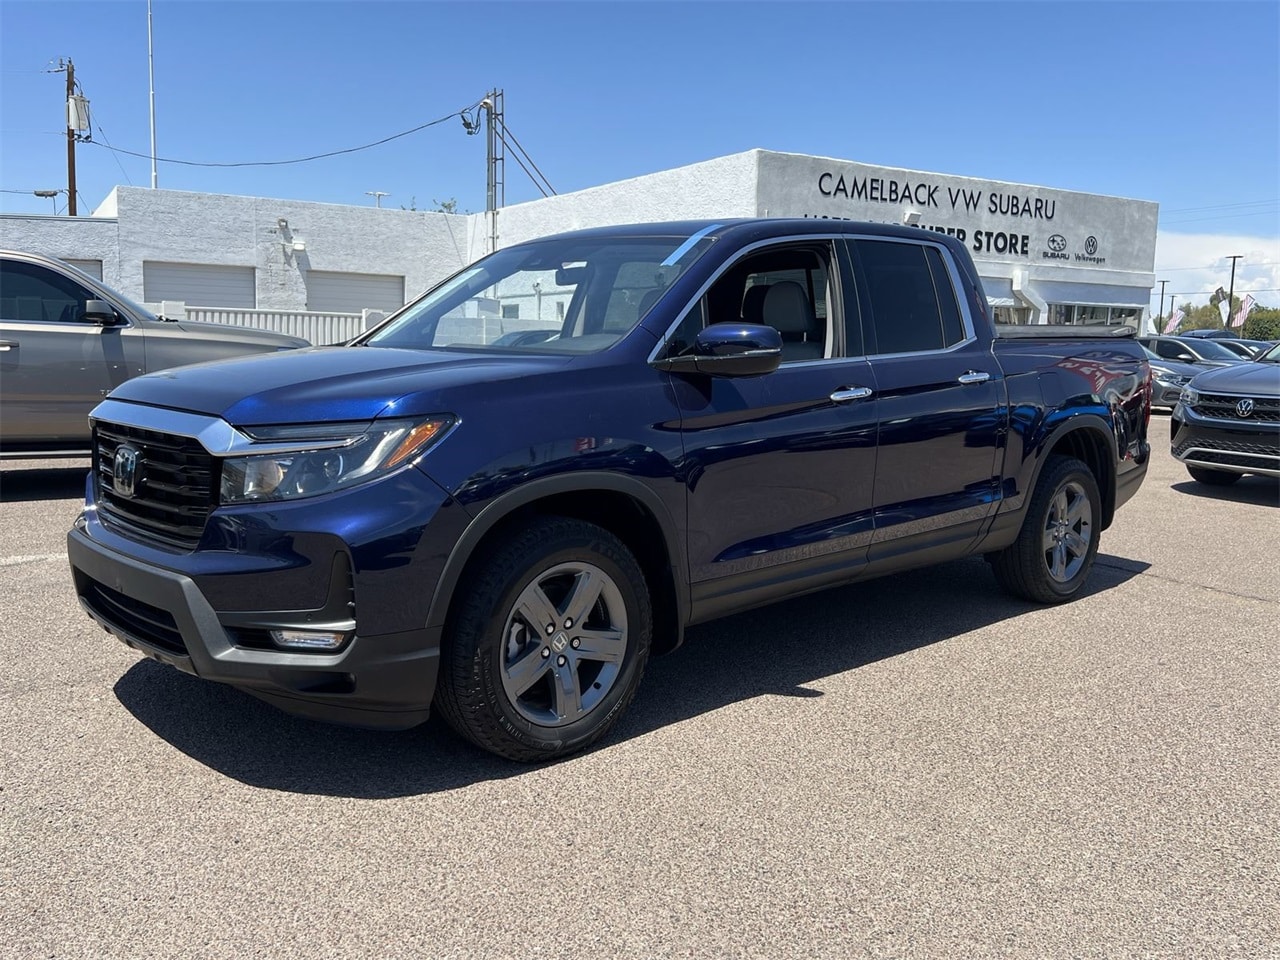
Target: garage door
(329, 292)
(199, 284)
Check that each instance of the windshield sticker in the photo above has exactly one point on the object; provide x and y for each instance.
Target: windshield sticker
(684, 248)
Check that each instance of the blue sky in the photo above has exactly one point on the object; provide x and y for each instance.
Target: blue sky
(1173, 102)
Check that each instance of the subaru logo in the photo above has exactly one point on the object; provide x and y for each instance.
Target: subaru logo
(1244, 408)
(124, 470)
(1057, 243)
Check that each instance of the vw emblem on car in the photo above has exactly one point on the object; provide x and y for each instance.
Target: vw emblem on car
(1057, 243)
(1244, 408)
(124, 470)
(1091, 245)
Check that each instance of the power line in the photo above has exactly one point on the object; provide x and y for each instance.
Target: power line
(1223, 206)
(1213, 266)
(279, 163)
(1225, 216)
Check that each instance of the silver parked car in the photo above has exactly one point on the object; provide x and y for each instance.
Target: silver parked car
(66, 341)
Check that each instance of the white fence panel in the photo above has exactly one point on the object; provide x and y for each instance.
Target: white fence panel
(315, 328)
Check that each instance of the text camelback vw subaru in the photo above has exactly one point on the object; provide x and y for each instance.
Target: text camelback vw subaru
(505, 498)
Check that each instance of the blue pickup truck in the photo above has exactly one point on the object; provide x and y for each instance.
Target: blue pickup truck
(509, 495)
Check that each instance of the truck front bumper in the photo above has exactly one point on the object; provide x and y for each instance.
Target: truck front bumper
(210, 612)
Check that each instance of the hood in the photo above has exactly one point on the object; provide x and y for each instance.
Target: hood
(1177, 368)
(327, 384)
(222, 332)
(1252, 378)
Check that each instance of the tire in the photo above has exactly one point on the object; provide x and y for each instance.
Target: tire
(528, 693)
(1051, 559)
(1214, 478)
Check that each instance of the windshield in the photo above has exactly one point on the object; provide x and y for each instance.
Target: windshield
(1210, 350)
(573, 295)
(1270, 356)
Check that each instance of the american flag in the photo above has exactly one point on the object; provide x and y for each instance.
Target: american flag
(1243, 313)
(1174, 320)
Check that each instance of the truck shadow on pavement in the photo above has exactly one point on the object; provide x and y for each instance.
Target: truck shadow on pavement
(43, 483)
(1263, 491)
(777, 651)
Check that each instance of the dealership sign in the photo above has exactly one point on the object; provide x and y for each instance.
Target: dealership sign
(996, 221)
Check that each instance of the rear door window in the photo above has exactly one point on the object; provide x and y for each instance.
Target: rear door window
(912, 300)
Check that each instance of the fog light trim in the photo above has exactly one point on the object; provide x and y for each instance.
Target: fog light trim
(308, 639)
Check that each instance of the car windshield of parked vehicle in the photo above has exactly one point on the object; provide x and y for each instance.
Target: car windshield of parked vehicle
(1269, 356)
(1210, 349)
(571, 295)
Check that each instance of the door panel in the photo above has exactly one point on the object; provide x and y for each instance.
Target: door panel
(54, 365)
(939, 395)
(779, 473)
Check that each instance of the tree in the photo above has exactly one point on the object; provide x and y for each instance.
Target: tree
(446, 206)
(1263, 323)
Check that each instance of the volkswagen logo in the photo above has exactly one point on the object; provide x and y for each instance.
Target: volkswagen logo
(124, 470)
(1091, 245)
(1057, 243)
(1244, 408)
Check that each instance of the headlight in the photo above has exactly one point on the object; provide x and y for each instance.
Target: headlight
(342, 455)
(1189, 397)
(1165, 377)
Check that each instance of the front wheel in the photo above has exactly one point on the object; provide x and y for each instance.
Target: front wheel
(1055, 549)
(1214, 478)
(549, 643)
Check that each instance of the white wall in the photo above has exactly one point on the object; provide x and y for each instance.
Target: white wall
(134, 225)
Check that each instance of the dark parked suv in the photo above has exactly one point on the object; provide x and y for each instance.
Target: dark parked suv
(504, 499)
(1227, 423)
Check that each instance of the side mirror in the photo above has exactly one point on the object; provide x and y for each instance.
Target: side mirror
(1185, 358)
(730, 350)
(101, 312)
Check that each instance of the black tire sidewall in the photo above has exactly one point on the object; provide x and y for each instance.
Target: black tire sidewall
(1063, 473)
(601, 549)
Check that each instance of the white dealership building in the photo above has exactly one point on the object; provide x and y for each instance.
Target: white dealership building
(1045, 255)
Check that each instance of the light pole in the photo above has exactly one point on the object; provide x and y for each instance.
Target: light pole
(1162, 283)
(49, 195)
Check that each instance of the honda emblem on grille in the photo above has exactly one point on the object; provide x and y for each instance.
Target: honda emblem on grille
(1244, 408)
(124, 470)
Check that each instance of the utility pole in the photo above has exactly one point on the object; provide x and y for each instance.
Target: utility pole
(1172, 297)
(377, 197)
(71, 142)
(151, 75)
(1162, 283)
(495, 185)
(1231, 291)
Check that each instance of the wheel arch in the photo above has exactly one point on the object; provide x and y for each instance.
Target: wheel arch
(620, 504)
(1089, 439)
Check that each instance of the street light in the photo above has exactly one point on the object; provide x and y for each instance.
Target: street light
(49, 195)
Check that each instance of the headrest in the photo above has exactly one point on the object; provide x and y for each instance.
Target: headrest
(786, 308)
(753, 303)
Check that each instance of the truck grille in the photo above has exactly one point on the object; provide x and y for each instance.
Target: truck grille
(174, 489)
(1223, 407)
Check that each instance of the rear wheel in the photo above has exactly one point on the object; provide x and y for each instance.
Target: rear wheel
(1051, 559)
(549, 643)
(1214, 478)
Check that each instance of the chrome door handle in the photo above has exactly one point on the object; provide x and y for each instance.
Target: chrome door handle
(845, 394)
(7, 345)
(974, 376)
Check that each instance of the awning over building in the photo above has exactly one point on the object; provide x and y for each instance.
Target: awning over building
(1094, 294)
(999, 292)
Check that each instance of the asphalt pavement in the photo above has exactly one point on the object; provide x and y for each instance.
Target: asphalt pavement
(917, 766)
